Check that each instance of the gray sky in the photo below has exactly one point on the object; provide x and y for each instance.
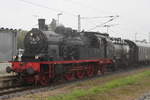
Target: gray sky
(134, 14)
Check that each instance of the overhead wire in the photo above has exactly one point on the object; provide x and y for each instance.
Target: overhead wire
(89, 6)
(112, 18)
(86, 5)
(69, 13)
(43, 6)
(88, 18)
(97, 17)
(100, 25)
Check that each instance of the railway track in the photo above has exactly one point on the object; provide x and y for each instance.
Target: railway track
(7, 77)
(6, 91)
(8, 81)
(17, 91)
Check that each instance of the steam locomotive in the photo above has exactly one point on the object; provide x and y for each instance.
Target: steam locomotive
(66, 53)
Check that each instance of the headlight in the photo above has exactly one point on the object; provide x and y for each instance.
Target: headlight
(31, 34)
(36, 57)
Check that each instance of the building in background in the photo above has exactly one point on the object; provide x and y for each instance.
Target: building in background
(8, 44)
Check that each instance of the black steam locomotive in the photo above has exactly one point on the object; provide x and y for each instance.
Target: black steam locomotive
(67, 44)
(69, 54)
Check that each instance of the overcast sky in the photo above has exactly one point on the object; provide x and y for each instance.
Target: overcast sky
(134, 15)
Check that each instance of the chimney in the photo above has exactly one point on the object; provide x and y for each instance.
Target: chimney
(41, 23)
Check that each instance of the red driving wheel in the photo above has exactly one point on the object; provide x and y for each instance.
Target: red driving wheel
(44, 80)
(80, 74)
(90, 71)
(103, 69)
(69, 76)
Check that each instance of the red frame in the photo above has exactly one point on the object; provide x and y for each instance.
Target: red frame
(19, 67)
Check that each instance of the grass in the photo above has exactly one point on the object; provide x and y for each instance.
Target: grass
(116, 83)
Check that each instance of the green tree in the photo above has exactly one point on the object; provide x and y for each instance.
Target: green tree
(20, 38)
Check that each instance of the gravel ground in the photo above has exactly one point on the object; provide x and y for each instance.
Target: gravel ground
(112, 95)
(146, 96)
